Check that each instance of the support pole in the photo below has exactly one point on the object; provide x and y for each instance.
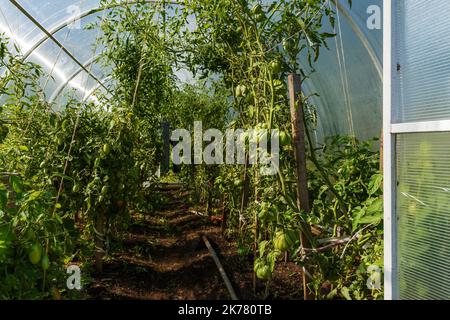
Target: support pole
(245, 191)
(220, 267)
(298, 134)
(166, 139)
(99, 241)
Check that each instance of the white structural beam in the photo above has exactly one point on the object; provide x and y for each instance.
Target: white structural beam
(389, 154)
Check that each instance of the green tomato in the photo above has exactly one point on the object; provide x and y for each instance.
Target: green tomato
(263, 213)
(106, 149)
(105, 190)
(276, 66)
(65, 125)
(35, 253)
(263, 272)
(238, 92)
(285, 139)
(241, 90)
(257, 9)
(76, 188)
(261, 17)
(45, 263)
(283, 241)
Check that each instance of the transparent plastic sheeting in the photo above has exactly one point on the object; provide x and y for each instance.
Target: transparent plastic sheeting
(348, 77)
(423, 216)
(56, 17)
(424, 59)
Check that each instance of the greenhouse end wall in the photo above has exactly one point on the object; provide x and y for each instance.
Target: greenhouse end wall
(416, 132)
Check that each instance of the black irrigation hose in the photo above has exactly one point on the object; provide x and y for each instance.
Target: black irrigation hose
(221, 270)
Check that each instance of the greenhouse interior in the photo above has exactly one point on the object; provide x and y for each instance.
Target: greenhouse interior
(224, 150)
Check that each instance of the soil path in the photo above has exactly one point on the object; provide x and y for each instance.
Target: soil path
(162, 256)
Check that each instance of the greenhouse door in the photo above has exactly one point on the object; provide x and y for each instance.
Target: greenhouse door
(417, 149)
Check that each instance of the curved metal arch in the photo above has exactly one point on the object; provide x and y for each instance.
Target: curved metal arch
(82, 15)
(362, 37)
(56, 41)
(60, 89)
(95, 88)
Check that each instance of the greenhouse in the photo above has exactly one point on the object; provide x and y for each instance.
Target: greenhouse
(224, 149)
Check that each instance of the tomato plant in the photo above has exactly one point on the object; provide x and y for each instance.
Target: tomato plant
(72, 179)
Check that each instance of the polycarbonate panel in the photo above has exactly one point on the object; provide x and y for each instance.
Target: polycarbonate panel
(423, 53)
(423, 216)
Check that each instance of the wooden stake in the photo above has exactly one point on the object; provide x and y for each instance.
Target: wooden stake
(99, 241)
(246, 181)
(255, 232)
(298, 134)
(224, 216)
(166, 139)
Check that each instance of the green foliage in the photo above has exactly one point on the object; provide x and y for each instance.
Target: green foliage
(70, 179)
(353, 169)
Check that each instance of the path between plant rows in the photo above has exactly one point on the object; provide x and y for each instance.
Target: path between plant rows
(162, 256)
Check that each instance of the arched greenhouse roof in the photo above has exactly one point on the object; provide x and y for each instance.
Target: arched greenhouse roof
(348, 80)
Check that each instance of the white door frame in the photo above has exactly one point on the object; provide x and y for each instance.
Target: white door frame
(390, 130)
(388, 154)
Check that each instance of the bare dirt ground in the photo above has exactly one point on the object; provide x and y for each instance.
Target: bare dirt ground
(162, 256)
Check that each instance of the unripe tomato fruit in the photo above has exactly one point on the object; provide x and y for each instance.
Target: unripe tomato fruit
(45, 263)
(276, 66)
(35, 253)
(106, 149)
(263, 272)
(105, 190)
(285, 139)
